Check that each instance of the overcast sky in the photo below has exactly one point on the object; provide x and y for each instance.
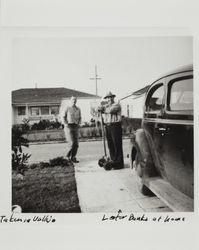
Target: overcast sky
(124, 64)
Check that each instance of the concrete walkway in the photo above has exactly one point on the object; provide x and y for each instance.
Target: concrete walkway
(109, 191)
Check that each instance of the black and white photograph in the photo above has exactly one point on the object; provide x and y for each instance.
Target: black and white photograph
(99, 130)
(102, 123)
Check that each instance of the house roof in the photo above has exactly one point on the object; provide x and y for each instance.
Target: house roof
(46, 95)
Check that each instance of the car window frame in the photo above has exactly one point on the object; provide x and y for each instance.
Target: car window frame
(154, 113)
(169, 87)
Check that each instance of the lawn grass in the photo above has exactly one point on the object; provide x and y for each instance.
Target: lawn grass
(46, 190)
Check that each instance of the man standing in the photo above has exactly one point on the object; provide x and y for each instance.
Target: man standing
(72, 119)
(112, 119)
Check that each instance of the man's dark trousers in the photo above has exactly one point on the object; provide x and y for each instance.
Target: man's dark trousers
(114, 140)
(72, 132)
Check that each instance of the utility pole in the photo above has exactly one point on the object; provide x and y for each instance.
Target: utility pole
(96, 78)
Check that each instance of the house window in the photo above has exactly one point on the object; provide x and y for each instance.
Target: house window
(45, 110)
(34, 111)
(54, 110)
(21, 110)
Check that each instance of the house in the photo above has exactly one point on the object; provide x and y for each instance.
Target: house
(36, 104)
(132, 105)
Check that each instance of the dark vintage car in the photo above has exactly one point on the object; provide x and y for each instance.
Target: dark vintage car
(162, 150)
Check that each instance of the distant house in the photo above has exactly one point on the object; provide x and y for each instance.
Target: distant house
(132, 105)
(36, 104)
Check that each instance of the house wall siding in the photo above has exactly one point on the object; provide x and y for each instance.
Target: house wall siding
(133, 107)
(17, 119)
(83, 103)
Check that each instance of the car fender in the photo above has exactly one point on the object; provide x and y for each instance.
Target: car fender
(142, 155)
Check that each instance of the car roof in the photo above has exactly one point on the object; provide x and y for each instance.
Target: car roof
(178, 70)
(181, 69)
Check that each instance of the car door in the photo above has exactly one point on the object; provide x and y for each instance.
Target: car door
(176, 152)
(168, 124)
(153, 122)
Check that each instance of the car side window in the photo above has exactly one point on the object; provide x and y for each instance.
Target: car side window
(181, 95)
(154, 101)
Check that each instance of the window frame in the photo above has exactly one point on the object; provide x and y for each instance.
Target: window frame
(24, 110)
(44, 107)
(54, 107)
(148, 97)
(170, 84)
(38, 109)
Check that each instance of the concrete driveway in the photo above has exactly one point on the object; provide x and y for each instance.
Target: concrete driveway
(109, 191)
(100, 190)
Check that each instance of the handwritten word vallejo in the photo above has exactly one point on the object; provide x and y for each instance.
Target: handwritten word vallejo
(14, 219)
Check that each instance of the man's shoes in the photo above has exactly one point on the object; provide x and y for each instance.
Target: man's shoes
(118, 165)
(74, 160)
(108, 166)
(68, 159)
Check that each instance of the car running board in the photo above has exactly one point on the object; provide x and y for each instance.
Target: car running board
(173, 198)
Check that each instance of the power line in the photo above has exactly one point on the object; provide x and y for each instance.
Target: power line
(96, 78)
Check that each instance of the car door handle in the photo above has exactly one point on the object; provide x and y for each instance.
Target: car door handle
(161, 129)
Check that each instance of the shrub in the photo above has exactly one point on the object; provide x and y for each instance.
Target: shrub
(19, 162)
(100, 131)
(25, 125)
(81, 133)
(59, 161)
(33, 166)
(85, 125)
(93, 132)
(44, 164)
(19, 159)
(87, 132)
(46, 124)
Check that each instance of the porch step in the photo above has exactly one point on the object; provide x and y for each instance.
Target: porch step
(176, 200)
